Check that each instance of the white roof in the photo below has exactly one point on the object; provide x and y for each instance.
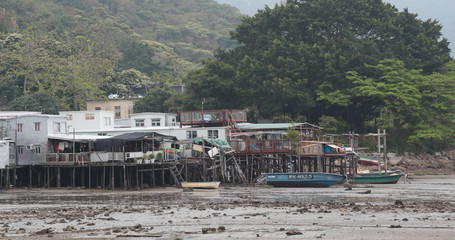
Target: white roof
(76, 137)
(17, 113)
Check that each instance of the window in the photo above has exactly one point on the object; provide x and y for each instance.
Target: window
(37, 127)
(156, 122)
(69, 116)
(19, 127)
(97, 108)
(173, 121)
(213, 133)
(20, 149)
(191, 134)
(57, 127)
(89, 116)
(107, 121)
(117, 111)
(37, 149)
(140, 122)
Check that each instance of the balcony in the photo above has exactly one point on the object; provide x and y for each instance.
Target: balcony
(212, 117)
(249, 146)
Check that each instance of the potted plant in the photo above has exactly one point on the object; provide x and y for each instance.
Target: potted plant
(159, 156)
(150, 157)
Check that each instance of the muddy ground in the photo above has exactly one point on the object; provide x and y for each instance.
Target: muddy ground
(420, 208)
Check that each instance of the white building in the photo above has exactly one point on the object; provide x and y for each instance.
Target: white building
(89, 120)
(151, 119)
(29, 132)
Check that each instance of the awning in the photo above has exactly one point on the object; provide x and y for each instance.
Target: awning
(120, 140)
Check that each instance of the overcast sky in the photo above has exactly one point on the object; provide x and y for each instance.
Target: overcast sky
(441, 10)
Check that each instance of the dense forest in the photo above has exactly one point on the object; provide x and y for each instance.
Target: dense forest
(68, 51)
(351, 65)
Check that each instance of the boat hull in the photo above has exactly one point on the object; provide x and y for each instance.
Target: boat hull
(207, 185)
(376, 178)
(365, 161)
(305, 179)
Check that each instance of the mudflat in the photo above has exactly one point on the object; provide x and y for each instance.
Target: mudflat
(420, 208)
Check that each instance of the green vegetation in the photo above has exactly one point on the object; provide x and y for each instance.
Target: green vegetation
(361, 63)
(352, 65)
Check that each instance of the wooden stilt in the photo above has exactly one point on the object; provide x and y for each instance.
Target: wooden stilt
(162, 174)
(125, 183)
(74, 177)
(89, 176)
(112, 177)
(29, 176)
(58, 177)
(14, 177)
(103, 180)
(39, 179)
(153, 175)
(137, 178)
(7, 178)
(48, 177)
(82, 168)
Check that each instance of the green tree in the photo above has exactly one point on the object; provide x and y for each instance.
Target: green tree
(416, 109)
(39, 101)
(155, 101)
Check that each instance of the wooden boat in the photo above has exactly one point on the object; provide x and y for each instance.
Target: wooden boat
(391, 177)
(302, 179)
(207, 185)
(367, 161)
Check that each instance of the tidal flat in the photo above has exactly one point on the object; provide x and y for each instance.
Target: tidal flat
(418, 208)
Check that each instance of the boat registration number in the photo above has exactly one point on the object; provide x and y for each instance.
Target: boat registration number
(301, 176)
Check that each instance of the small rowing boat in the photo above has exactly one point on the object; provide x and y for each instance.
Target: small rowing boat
(207, 185)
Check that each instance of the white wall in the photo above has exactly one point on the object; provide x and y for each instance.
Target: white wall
(165, 119)
(4, 153)
(89, 120)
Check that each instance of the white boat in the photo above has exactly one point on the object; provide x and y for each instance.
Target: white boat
(208, 185)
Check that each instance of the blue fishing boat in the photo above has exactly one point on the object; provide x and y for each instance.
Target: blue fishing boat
(303, 179)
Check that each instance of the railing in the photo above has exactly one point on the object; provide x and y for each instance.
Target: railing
(98, 157)
(211, 117)
(79, 158)
(260, 146)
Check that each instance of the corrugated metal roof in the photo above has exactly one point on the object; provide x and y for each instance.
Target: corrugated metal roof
(280, 126)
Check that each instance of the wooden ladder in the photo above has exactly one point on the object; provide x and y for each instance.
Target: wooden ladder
(176, 174)
(239, 170)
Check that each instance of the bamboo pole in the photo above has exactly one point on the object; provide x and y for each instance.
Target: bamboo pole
(385, 150)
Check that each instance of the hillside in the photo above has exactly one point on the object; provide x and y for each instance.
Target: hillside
(75, 50)
(194, 29)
